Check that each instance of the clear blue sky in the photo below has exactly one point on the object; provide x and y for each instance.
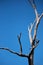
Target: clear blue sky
(15, 16)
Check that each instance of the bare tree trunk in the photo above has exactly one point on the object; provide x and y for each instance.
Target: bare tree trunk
(31, 58)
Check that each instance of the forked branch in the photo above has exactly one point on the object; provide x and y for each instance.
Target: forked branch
(19, 54)
(30, 32)
(33, 40)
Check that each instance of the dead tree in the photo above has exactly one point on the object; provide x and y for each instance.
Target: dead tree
(33, 40)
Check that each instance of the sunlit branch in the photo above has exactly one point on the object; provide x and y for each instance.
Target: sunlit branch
(30, 31)
(32, 2)
(40, 16)
(36, 26)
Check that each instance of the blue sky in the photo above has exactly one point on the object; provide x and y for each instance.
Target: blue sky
(15, 17)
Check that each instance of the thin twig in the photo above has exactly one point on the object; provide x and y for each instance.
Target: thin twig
(32, 2)
(19, 37)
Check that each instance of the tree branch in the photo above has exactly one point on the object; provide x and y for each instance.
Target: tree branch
(19, 37)
(33, 41)
(30, 32)
(36, 26)
(40, 16)
(33, 47)
(19, 54)
(30, 36)
(32, 2)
